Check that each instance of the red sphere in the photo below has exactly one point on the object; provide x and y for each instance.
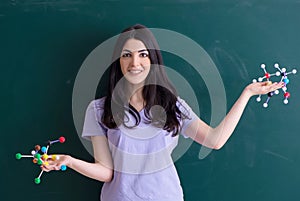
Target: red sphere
(37, 147)
(62, 139)
(267, 75)
(287, 95)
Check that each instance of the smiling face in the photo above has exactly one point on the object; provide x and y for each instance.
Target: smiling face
(135, 61)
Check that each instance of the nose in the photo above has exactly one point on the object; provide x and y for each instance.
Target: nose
(135, 60)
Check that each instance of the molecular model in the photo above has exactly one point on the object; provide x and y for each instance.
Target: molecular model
(40, 156)
(281, 72)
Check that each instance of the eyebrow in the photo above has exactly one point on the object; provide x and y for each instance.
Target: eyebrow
(143, 50)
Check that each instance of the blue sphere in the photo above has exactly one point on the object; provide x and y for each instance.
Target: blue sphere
(44, 149)
(63, 167)
(286, 80)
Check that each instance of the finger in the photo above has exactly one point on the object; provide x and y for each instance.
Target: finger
(46, 168)
(53, 157)
(275, 86)
(267, 83)
(50, 167)
(278, 85)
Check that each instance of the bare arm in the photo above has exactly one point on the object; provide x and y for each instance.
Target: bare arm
(215, 138)
(101, 169)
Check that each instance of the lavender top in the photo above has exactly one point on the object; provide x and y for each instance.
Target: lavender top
(143, 167)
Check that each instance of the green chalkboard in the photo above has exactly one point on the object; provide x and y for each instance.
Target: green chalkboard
(43, 44)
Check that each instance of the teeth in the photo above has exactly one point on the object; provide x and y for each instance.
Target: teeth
(135, 71)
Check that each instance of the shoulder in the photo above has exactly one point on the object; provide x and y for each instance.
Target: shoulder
(96, 107)
(185, 108)
(181, 104)
(97, 104)
(179, 100)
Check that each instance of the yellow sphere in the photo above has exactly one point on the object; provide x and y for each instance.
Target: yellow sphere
(45, 156)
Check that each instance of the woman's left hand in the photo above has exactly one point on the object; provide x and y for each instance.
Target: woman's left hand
(257, 88)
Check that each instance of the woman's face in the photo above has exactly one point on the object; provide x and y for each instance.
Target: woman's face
(135, 61)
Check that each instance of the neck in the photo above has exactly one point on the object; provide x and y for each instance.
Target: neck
(136, 99)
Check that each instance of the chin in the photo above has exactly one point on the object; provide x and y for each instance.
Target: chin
(135, 81)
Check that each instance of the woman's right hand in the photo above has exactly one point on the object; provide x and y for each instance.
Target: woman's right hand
(56, 162)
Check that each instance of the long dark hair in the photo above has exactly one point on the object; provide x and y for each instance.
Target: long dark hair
(157, 90)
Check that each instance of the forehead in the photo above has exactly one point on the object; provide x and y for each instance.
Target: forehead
(134, 45)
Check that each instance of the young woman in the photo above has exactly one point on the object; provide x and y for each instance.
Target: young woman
(136, 126)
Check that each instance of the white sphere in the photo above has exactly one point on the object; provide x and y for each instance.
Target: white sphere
(276, 65)
(263, 65)
(294, 71)
(276, 91)
(265, 105)
(32, 152)
(254, 80)
(258, 99)
(283, 69)
(285, 101)
(260, 79)
(278, 73)
(284, 88)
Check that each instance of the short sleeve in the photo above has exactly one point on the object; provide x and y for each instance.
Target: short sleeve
(92, 126)
(188, 115)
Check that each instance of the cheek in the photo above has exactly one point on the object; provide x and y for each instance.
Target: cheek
(147, 65)
(123, 65)
(146, 62)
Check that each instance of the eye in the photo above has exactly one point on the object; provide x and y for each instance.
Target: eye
(144, 54)
(126, 55)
